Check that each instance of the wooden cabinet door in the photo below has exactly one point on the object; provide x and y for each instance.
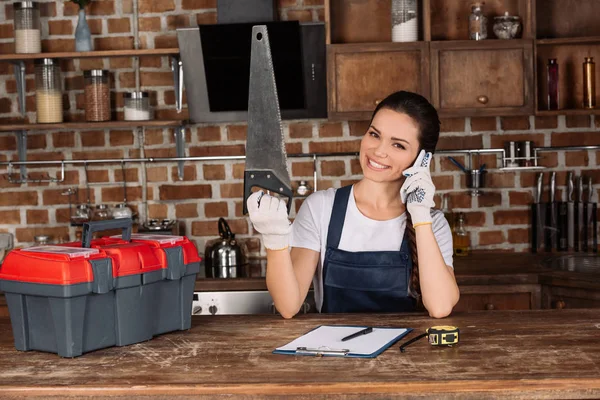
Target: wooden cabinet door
(499, 297)
(471, 78)
(360, 76)
(556, 297)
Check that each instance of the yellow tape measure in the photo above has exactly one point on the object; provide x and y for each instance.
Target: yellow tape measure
(438, 336)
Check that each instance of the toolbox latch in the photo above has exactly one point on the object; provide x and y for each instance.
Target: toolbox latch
(103, 277)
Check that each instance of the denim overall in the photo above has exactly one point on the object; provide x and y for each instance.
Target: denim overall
(365, 281)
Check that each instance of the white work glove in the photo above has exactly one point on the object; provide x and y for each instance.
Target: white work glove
(269, 217)
(418, 190)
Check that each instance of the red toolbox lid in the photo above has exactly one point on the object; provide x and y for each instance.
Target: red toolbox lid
(57, 265)
(190, 252)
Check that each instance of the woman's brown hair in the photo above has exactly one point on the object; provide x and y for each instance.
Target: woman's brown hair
(425, 115)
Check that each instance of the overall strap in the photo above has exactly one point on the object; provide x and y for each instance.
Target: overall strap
(338, 214)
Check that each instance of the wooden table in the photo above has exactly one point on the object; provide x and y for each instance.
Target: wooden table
(517, 354)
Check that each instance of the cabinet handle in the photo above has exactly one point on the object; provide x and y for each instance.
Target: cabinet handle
(560, 304)
(489, 306)
(483, 99)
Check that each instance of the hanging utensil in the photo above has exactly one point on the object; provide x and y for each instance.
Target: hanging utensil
(459, 165)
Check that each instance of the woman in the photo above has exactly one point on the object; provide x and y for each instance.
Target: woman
(375, 246)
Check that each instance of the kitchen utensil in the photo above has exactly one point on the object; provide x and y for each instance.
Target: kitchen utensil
(507, 26)
(553, 225)
(459, 165)
(160, 227)
(266, 158)
(225, 257)
(482, 168)
(6, 244)
(579, 216)
(476, 181)
(538, 216)
(525, 151)
(592, 217)
(511, 153)
(570, 212)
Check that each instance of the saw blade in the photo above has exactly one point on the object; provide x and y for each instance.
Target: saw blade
(265, 150)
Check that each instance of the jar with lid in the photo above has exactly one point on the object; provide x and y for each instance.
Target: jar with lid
(48, 93)
(81, 214)
(477, 22)
(101, 213)
(405, 21)
(27, 27)
(136, 106)
(121, 211)
(97, 95)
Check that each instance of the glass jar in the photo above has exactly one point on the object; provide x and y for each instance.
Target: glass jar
(507, 26)
(27, 27)
(136, 106)
(405, 22)
(477, 22)
(82, 214)
(97, 95)
(460, 237)
(121, 211)
(48, 93)
(101, 213)
(552, 81)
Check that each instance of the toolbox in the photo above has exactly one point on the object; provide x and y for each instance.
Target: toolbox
(114, 291)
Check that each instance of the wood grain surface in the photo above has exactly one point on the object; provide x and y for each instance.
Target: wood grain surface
(514, 354)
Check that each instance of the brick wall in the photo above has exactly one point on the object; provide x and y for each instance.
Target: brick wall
(497, 220)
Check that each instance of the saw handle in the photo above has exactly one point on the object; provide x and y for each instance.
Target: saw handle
(268, 181)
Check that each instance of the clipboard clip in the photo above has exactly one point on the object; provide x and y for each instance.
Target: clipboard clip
(321, 351)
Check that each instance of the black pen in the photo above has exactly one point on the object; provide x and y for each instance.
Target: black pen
(357, 334)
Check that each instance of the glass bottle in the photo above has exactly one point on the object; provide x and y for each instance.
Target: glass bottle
(447, 212)
(552, 72)
(48, 91)
(405, 22)
(477, 22)
(27, 27)
(589, 83)
(460, 237)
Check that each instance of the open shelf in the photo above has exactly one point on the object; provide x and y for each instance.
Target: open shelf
(563, 41)
(574, 111)
(90, 125)
(91, 54)
(563, 19)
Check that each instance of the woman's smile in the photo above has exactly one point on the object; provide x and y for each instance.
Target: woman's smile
(375, 165)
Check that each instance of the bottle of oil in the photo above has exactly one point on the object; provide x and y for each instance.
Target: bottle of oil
(460, 237)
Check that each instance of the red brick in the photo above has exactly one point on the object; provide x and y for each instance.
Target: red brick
(548, 159)
(11, 85)
(8, 142)
(333, 168)
(119, 25)
(216, 210)
(204, 151)
(577, 121)
(63, 139)
(37, 217)
(209, 134)
(546, 122)
(206, 18)
(158, 211)
(92, 138)
(189, 173)
(95, 25)
(214, 172)
(121, 138)
(188, 210)
(156, 79)
(299, 15)
(452, 125)
(60, 27)
(491, 237)
(210, 228)
(443, 182)
(103, 7)
(521, 235)
(293, 148)
(335, 147)
(131, 174)
(27, 198)
(178, 21)
(232, 190)
(577, 158)
(12, 217)
(58, 45)
(98, 154)
(355, 168)
(165, 41)
(511, 217)
(238, 171)
(501, 180)
(149, 24)
(157, 174)
(86, 63)
(514, 123)
(358, 128)
(115, 194)
(460, 142)
(300, 131)
(237, 132)
(5, 106)
(520, 198)
(153, 137)
(113, 43)
(36, 142)
(483, 124)
(497, 141)
(184, 192)
(198, 4)
(97, 175)
(489, 199)
(575, 139)
(161, 152)
(302, 168)
(460, 199)
(25, 235)
(156, 6)
(332, 129)
(474, 218)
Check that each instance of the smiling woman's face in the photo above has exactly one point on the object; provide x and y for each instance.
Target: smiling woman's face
(389, 147)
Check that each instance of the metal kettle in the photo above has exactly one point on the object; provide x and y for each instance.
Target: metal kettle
(224, 257)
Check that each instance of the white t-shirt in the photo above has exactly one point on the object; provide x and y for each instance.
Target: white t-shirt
(360, 233)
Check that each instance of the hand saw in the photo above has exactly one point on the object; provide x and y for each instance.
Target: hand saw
(266, 159)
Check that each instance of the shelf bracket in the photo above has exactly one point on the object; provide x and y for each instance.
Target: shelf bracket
(177, 69)
(180, 149)
(19, 70)
(22, 150)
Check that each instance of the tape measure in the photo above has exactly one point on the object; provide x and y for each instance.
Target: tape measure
(443, 335)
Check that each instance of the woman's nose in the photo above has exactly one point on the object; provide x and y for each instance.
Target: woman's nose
(380, 149)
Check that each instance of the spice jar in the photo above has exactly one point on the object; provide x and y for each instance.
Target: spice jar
(477, 22)
(27, 27)
(97, 95)
(48, 94)
(101, 213)
(121, 211)
(405, 25)
(137, 106)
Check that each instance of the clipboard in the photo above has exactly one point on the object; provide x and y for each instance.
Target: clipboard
(326, 341)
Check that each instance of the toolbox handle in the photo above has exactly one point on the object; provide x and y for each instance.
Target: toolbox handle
(97, 226)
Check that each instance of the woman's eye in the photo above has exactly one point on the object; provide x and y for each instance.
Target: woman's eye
(373, 134)
(399, 146)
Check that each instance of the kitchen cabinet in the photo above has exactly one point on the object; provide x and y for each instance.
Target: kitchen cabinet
(360, 76)
(472, 78)
(499, 297)
(557, 297)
